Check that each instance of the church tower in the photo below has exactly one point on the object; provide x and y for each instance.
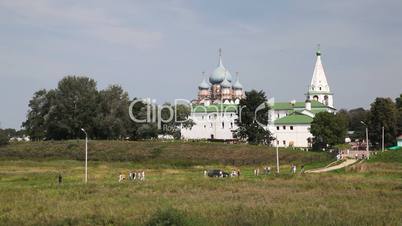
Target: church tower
(319, 89)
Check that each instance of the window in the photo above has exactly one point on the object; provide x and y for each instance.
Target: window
(223, 125)
(231, 125)
(202, 117)
(284, 142)
(284, 127)
(320, 88)
(205, 126)
(291, 127)
(278, 116)
(277, 128)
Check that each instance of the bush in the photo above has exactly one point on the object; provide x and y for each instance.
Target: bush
(167, 216)
(4, 140)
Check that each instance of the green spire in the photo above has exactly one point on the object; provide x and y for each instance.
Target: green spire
(318, 53)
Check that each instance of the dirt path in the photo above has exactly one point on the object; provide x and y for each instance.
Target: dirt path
(346, 163)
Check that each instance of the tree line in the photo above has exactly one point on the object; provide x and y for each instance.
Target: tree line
(76, 103)
(331, 129)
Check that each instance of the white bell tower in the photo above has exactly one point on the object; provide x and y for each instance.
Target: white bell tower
(319, 89)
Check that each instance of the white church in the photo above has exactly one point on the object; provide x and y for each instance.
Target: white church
(215, 109)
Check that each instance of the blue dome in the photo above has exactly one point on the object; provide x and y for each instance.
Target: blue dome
(237, 84)
(228, 76)
(203, 84)
(226, 84)
(218, 75)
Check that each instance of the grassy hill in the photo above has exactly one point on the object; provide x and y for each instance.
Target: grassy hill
(157, 152)
(368, 193)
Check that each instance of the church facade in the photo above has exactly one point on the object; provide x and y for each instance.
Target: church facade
(215, 109)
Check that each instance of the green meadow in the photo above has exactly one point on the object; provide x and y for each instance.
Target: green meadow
(175, 192)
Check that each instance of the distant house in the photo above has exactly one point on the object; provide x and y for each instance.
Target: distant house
(399, 141)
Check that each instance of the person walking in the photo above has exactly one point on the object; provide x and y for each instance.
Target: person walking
(60, 178)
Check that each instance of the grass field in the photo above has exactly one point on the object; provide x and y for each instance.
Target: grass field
(369, 193)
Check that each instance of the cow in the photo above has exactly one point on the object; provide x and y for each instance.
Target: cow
(122, 178)
(256, 171)
(217, 173)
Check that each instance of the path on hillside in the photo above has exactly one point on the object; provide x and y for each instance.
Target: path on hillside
(346, 163)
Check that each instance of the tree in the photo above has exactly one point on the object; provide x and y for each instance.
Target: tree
(4, 138)
(383, 113)
(112, 114)
(39, 108)
(174, 117)
(398, 102)
(253, 118)
(356, 116)
(328, 130)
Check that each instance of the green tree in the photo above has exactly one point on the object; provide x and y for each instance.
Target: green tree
(74, 108)
(328, 130)
(174, 117)
(35, 125)
(144, 126)
(356, 116)
(112, 114)
(398, 102)
(253, 118)
(383, 113)
(4, 138)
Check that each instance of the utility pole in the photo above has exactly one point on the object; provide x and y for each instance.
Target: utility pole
(367, 140)
(86, 155)
(277, 155)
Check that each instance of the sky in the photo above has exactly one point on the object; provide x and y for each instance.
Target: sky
(159, 48)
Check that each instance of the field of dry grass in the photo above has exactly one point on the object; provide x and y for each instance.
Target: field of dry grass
(369, 193)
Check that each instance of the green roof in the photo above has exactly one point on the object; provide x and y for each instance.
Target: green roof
(290, 106)
(215, 108)
(294, 118)
(318, 110)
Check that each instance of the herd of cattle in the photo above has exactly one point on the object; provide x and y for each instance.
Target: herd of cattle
(234, 173)
(133, 176)
(210, 173)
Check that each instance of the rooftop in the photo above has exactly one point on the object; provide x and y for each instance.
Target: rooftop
(290, 106)
(293, 119)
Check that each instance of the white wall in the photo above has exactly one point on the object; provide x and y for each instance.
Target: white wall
(207, 124)
(298, 135)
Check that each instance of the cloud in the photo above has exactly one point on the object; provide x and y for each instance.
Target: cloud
(90, 21)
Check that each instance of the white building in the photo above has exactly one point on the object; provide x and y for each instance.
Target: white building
(213, 122)
(214, 112)
(290, 121)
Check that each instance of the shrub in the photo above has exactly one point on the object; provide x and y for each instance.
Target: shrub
(167, 216)
(4, 140)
